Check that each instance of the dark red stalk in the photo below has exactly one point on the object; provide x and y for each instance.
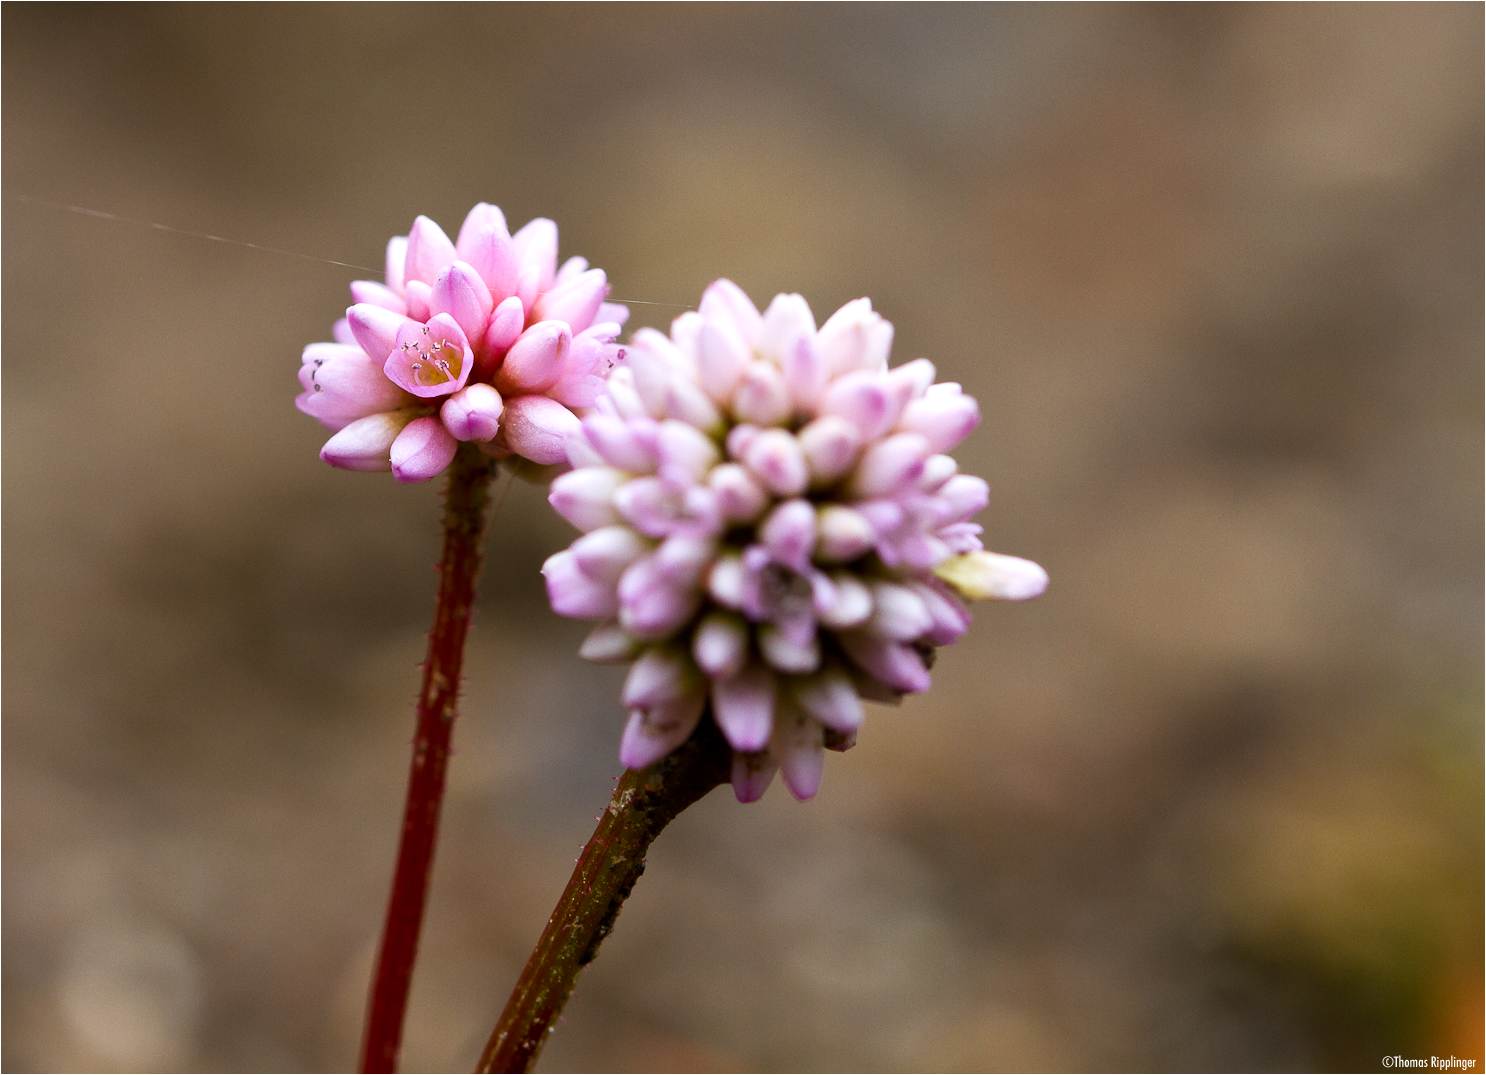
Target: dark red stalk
(465, 501)
(644, 802)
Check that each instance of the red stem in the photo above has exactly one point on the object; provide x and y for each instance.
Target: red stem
(644, 802)
(464, 528)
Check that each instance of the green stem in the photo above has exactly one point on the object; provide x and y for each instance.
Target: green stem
(644, 803)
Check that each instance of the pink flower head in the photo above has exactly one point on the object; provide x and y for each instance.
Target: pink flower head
(772, 525)
(483, 339)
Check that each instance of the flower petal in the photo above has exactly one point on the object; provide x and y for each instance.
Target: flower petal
(612, 311)
(506, 322)
(605, 553)
(830, 444)
(740, 498)
(787, 320)
(660, 675)
(789, 533)
(844, 533)
(864, 400)
(850, 602)
(855, 338)
(898, 612)
(418, 295)
(343, 384)
(615, 440)
(788, 654)
(652, 606)
(889, 466)
(963, 496)
(804, 373)
(722, 358)
(685, 448)
(944, 419)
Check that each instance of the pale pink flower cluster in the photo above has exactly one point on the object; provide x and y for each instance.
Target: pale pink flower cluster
(482, 339)
(771, 525)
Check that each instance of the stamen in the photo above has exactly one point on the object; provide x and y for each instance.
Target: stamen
(437, 361)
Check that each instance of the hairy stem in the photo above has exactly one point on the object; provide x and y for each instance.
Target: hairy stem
(644, 803)
(465, 501)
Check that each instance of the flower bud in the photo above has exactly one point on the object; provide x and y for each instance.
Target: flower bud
(744, 707)
(761, 398)
(572, 593)
(486, 245)
(720, 644)
(830, 698)
(460, 293)
(535, 360)
(943, 418)
(585, 497)
(722, 359)
(830, 444)
(774, 456)
(889, 466)
(609, 643)
(603, 554)
(422, 450)
(844, 533)
(375, 328)
(978, 576)
(789, 533)
(654, 732)
(366, 443)
(429, 250)
(369, 291)
(660, 675)
(574, 301)
(473, 413)
(534, 427)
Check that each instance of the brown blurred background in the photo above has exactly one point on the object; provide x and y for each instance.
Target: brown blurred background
(1215, 274)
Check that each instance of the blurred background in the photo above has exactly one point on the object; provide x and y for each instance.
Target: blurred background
(1215, 275)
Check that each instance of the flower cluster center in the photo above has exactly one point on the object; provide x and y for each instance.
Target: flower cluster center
(434, 362)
